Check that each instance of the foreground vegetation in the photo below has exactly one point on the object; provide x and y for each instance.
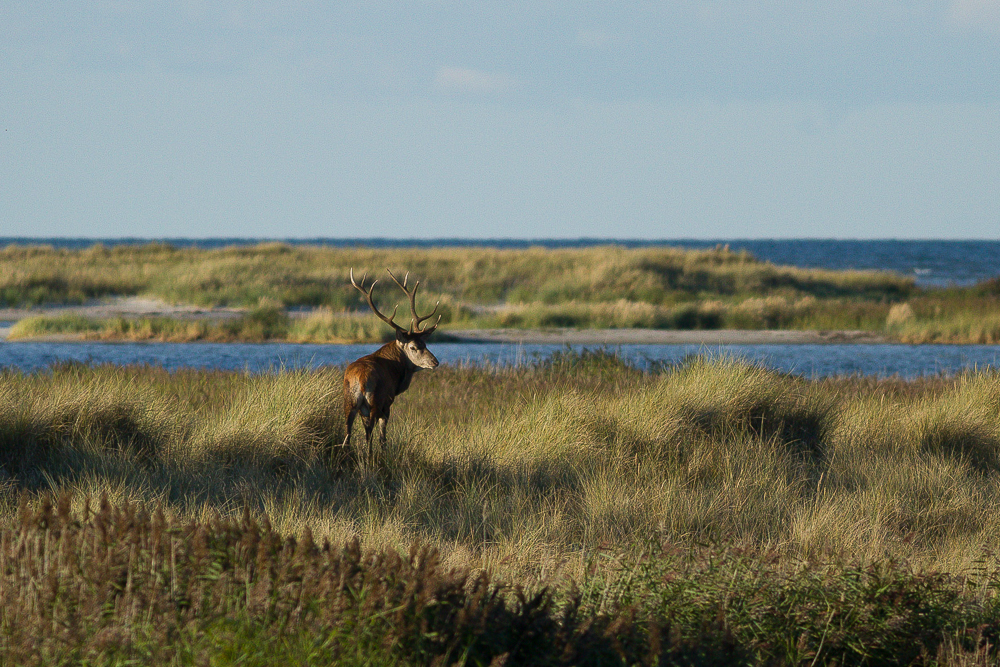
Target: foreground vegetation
(715, 512)
(121, 586)
(658, 288)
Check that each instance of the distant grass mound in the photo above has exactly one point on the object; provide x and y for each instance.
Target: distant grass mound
(317, 276)
(599, 287)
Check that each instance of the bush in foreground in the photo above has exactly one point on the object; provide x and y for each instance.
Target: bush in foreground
(119, 586)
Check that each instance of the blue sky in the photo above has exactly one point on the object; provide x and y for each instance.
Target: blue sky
(655, 120)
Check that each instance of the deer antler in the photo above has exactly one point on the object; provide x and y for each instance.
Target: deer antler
(371, 304)
(415, 322)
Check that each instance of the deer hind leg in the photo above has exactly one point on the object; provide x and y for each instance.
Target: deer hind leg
(383, 421)
(350, 412)
(369, 413)
(352, 404)
(368, 419)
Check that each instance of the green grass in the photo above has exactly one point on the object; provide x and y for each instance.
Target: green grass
(954, 316)
(262, 323)
(324, 325)
(806, 313)
(709, 513)
(327, 326)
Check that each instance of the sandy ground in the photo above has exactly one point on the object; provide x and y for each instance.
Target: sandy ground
(120, 307)
(659, 337)
(141, 307)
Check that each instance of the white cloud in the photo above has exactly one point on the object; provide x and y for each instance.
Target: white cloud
(468, 80)
(976, 13)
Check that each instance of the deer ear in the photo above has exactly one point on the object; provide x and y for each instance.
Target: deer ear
(400, 336)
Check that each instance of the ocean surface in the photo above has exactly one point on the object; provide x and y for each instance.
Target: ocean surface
(931, 263)
(812, 361)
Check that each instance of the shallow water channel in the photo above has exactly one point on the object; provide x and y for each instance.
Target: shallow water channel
(882, 360)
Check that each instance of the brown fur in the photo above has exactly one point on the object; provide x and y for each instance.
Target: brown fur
(373, 382)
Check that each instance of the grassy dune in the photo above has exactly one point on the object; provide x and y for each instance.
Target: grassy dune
(743, 483)
(317, 276)
(659, 288)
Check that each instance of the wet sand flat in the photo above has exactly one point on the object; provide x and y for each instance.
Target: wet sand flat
(660, 337)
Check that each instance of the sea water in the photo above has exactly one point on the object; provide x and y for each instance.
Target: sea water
(906, 361)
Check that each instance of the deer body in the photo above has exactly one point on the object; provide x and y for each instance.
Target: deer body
(373, 382)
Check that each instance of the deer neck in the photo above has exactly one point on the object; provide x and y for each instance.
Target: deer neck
(401, 365)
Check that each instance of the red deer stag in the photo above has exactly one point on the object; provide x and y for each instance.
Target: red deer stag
(373, 382)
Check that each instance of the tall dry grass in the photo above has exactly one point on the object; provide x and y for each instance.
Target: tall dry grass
(708, 512)
(953, 315)
(120, 585)
(530, 470)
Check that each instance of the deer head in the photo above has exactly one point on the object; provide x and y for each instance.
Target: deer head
(410, 341)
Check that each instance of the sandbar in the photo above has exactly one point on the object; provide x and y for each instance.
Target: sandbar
(664, 337)
(144, 307)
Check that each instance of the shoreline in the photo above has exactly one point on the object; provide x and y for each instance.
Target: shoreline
(600, 337)
(666, 337)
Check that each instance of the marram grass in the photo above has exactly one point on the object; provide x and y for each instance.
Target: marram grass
(709, 513)
(978, 324)
(318, 275)
(527, 470)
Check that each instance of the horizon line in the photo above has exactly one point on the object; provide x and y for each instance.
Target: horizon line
(472, 241)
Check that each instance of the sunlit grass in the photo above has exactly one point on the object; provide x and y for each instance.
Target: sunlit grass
(325, 325)
(262, 323)
(518, 469)
(739, 506)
